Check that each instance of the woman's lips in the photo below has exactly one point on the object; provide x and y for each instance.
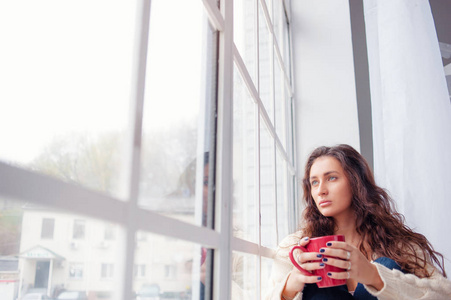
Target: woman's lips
(325, 203)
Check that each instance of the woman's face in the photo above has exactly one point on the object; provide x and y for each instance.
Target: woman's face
(330, 187)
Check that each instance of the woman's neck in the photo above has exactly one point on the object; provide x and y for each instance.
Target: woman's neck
(346, 226)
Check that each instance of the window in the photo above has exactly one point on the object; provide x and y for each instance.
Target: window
(79, 229)
(107, 271)
(170, 271)
(76, 271)
(158, 126)
(440, 11)
(263, 160)
(48, 226)
(109, 232)
(140, 271)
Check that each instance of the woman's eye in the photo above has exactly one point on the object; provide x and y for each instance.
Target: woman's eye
(314, 182)
(332, 178)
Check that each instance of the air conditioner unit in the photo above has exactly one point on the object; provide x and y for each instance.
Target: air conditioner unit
(73, 245)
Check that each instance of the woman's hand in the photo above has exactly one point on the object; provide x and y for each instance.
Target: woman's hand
(297, 279)
(356, 265)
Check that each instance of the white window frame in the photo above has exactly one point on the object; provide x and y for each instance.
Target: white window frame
(48, 191)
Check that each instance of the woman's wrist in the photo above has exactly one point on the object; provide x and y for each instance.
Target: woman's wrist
(288, 294)
(377, 282)
(285, 298)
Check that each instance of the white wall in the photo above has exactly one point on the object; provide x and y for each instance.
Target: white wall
(325, 95)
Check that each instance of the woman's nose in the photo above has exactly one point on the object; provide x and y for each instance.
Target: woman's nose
(322, 189)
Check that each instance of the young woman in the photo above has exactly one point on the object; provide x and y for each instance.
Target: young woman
(382, 257)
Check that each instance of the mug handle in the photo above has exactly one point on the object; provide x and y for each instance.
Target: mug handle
(295, 263)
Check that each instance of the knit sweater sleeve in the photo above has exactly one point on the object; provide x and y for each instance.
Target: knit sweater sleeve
(398, 285)
(281, 269)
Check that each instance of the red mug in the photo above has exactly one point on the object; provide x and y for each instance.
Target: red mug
(313, 246)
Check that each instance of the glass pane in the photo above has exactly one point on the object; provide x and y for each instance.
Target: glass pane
(280, 104)
(269, 6)
(267, 188)
(265, 63)
(278, 20)
(167, 268)
(285, 47)
(178, 125)
(245, 210)
(266, 267)
(283, 212)
(244, 276)
(65, 85)
(244, 25)
(440, 12)
(290, 129)
(49, 265)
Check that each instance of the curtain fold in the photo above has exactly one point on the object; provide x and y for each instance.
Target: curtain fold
(411, 114)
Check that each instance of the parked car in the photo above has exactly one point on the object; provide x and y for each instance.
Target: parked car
(72, 295)
(35, 296)
(149, 292)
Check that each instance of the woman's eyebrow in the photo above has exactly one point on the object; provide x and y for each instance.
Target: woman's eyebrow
(325, 174)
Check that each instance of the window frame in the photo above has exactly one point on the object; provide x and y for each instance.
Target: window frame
(41, 189)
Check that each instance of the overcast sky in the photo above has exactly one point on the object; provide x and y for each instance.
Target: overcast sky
(65, 66)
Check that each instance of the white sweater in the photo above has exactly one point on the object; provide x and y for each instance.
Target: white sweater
(397, 285)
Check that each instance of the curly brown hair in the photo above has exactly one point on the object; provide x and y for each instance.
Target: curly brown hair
(382, 229)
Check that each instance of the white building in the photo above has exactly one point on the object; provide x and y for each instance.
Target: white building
(61, 251)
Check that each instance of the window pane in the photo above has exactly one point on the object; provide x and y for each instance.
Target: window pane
(107, 271)
(178, 126)
(283, 198)
(62, 262)
(285, 47)
(79, 229)
(245, 12)
(245, 209)
(266, 267)
(65, 88)
(177, 269)
(76, 271)
(48, 226)
(278, 18)
(268, 192)
(265, 63)
(280, 104)
(290, 129)
(244, 276)
(110, 233)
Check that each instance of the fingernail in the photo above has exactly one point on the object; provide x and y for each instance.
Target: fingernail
(329, 274)
(324, 259)
(329, 244)
(306, 239)
(319, 255)
(322, 250)
(321, 265)
(319, 278)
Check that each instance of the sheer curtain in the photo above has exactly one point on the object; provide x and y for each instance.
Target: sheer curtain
(411, 115)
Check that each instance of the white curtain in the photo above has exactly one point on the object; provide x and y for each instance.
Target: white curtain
(411, 115)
